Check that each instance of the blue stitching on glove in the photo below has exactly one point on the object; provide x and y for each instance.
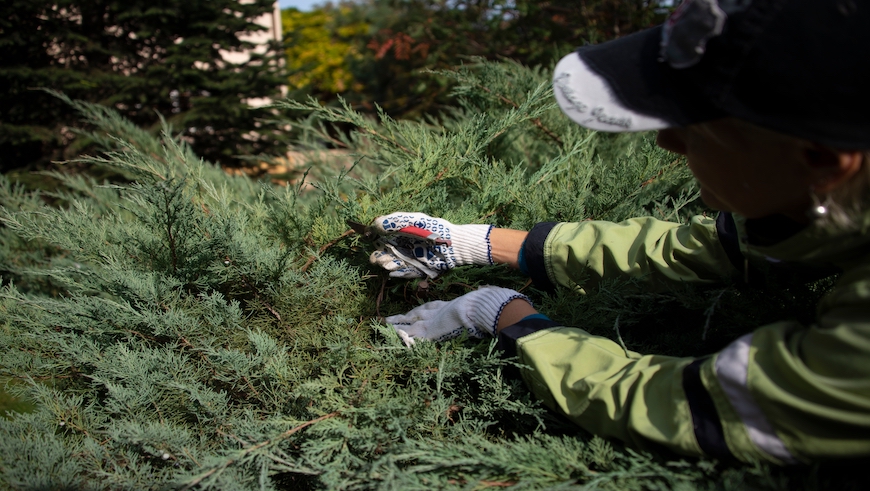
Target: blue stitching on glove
(489, 245)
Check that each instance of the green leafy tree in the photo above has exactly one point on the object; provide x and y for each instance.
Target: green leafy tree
(189, 329)
(320, 52)
(145, 59)
(405, 38)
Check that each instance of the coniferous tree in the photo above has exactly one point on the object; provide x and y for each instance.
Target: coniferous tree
(144, 58)
(189, 329)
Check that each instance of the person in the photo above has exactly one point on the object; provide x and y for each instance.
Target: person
(768, 101)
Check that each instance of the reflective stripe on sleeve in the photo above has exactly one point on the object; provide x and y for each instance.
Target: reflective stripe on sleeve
(732, 367)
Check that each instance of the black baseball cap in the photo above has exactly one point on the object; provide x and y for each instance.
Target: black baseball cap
(800, 67)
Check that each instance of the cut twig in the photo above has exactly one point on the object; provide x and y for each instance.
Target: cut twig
(528, 284)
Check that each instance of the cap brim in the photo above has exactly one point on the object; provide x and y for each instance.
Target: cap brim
(587, 98)
(621, 86)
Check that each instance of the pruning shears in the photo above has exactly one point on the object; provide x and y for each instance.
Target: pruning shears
(370, 234)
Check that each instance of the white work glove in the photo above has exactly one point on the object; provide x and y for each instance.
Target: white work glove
(410, 257)
(476, 313)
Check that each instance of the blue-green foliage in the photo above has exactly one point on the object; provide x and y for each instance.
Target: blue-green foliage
(185, 328)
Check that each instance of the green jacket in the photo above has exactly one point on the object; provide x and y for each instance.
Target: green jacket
(785, 393)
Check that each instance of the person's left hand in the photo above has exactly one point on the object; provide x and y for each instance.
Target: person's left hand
(475, 313)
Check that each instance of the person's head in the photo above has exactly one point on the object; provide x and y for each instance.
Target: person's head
(766, 98)
(756, 172)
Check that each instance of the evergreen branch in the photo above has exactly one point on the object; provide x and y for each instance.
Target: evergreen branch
(143, 336)
(708, 314)
(259, 297)
(653, 178)
(348, 116)
(191, 457)
(437, 177)
(488, 484)
(323, 249)
(637, 191)
(459, 283)
(251, 386)
(43, 377)
(202, 356)
(392, 141)
(170, 223)
(249, 450)
(619, 337)
(244, 443)
(380, 299)
(536, 121)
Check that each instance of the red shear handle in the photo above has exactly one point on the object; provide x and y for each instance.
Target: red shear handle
(423, 234)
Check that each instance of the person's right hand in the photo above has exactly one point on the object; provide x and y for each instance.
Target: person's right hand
(412, 257)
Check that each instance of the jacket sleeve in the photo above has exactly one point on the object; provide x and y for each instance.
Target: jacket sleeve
(579, 255)
(785, 393)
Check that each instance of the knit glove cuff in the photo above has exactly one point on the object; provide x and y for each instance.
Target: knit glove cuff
(471, 244)
(476, 313)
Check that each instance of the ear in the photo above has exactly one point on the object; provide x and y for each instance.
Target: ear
(830, 168)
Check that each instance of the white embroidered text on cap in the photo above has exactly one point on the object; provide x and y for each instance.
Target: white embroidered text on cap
(586, 98)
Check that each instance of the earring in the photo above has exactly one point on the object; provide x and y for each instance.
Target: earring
(819, 209)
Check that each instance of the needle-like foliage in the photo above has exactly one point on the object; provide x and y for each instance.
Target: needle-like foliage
(190, 329)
